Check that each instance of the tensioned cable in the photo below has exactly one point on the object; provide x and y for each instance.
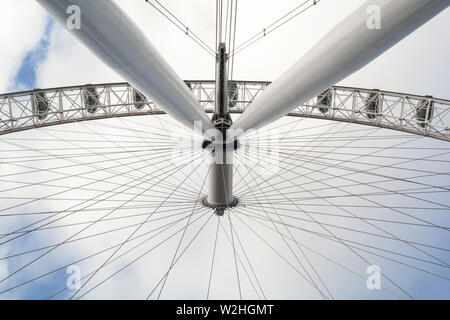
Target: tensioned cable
(356, 195)
(92, 199)
(72, 236)
(360, 256)
(181, 254)
(340, 161)
(217, 22)
(234, 254)
(255, 215)
(219, 5)
(180, 25)
(376, 182)
(241, 262)
(171, 209)
(94, 180)
(300, 149)
(133, 261)
(213, 258)
(137, 229)
(250, 264)
(97, 234)
(72, 160)
(311, 281)
(358, 248)
(180, 241)
(395, 210)
(260, 217)
(226, 18)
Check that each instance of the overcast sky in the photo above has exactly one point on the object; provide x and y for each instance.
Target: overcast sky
(39, 53)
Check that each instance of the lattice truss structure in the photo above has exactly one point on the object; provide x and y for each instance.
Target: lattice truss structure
(422, 115)
(117, 193)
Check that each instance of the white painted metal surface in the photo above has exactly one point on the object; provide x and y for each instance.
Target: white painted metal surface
(109, 33)
(344, 50)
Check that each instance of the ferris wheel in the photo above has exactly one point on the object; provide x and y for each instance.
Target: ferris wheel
(164, 188)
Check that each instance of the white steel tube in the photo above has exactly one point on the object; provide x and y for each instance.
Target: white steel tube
(344, 50)
(110, 34)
